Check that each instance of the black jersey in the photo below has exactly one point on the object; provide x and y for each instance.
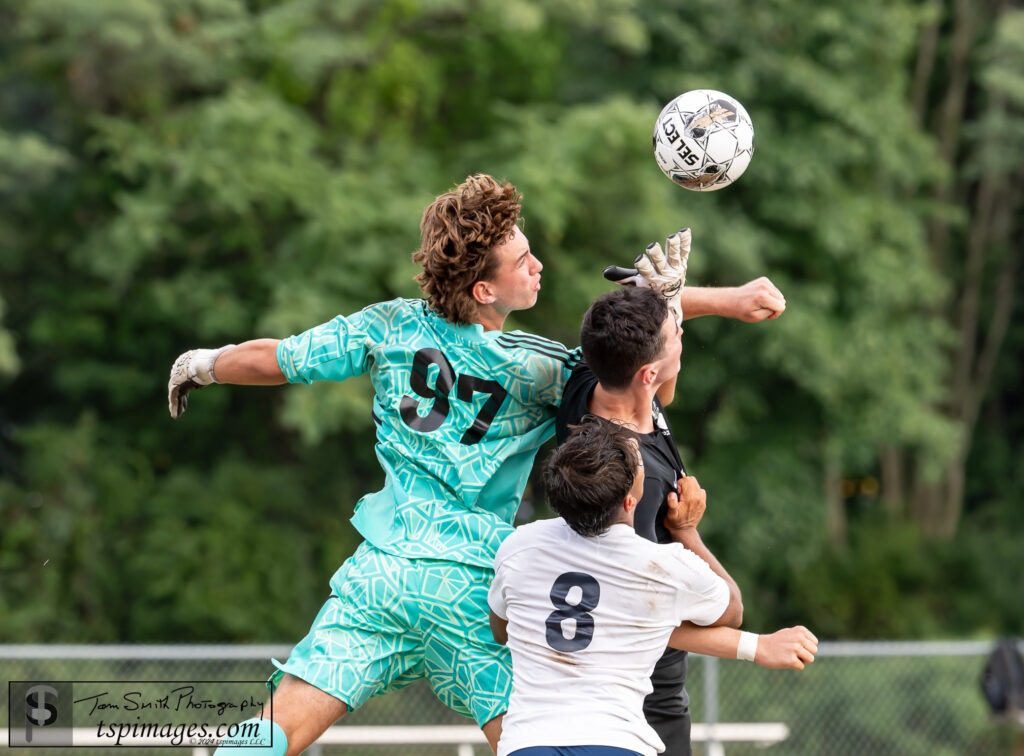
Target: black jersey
(662, 465)
(667, 706)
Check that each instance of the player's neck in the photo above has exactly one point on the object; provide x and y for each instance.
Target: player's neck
(626, 520)
(490, 318)
(631, 405)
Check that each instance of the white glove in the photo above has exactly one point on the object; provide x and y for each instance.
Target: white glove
(665, 274)
(192, 370)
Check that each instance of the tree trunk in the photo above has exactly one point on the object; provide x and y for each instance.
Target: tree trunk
(981, 369)
(924, 504)
(835, 517)
(893, 462)
(924, 67)
(937, 505)
(949, 120)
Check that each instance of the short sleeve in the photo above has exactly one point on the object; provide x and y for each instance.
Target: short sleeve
(333, 351)
(703, 596)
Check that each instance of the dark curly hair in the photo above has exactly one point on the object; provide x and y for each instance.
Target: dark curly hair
(588, 476)
(458, 230)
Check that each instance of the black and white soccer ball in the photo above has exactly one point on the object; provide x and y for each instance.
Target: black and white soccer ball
(703, 140)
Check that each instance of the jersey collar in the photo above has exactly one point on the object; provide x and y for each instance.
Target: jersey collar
(473, 333)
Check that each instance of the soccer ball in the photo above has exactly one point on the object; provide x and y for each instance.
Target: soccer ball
(703, 140)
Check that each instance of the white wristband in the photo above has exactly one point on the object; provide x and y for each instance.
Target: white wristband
(213, 360)
(747, 648)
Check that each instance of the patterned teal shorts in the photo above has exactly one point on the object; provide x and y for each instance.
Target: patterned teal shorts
(390, 621)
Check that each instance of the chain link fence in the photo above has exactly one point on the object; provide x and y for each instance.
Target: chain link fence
(857, 698)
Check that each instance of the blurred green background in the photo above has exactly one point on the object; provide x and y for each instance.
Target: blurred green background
(182, 173)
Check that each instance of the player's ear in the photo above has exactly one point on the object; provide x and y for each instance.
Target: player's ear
(629, 504)
(647, 374)
(483, 292)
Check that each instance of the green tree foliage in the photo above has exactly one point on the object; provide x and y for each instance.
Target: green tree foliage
(967, 91)
(197, 172)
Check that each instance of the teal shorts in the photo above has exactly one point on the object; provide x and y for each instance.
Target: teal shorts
(391, 620)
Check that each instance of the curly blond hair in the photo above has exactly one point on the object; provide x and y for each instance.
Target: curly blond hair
(457, 232)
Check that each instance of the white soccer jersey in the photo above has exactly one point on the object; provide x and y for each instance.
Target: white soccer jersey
(587, 620)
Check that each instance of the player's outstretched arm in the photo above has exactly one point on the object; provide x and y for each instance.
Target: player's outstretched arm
(753, 302)
(252, 363)
(685, 510)
(790, 648)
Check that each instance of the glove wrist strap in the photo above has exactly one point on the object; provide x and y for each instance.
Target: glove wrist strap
(213, 361)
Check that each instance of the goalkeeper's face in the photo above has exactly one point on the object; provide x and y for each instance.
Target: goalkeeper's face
(516, 279)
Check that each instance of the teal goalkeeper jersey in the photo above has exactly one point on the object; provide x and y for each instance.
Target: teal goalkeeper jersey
(460, 415)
